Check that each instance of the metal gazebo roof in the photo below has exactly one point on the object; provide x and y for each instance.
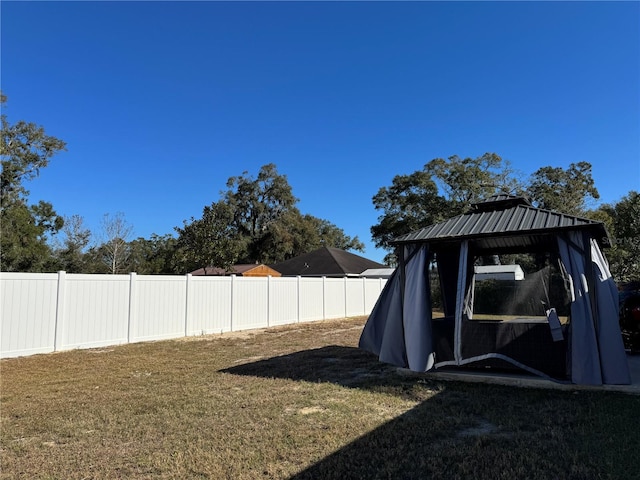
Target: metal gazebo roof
(503, 216)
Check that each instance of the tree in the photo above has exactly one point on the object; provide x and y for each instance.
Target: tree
(465, 181)
(152, 256)
(25, 228)
(410, 203)
(24, 150)
(622, 220)
(443, 188)
(329, 235)
(255, 221)
(567, 191)
(256, 204)
(294, 234)
(212, 240)
(71, 254)
(114, 251)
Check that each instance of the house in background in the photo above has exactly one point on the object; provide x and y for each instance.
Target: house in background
(326, 262)
(242, 270)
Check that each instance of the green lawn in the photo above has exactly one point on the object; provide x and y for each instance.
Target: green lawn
(294, 402)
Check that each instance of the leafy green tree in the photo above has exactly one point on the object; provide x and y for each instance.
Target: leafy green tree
(153, 256)
(465, 181)
(25, 230)
(294, 234)
(76, 238)
(255, 221)
(326, 234)
(442, 189)
(24, 150)
(93, 260)
(622, 220)
(445, 188)
(568, 191)
(256, 205)
(410, 203)
(212, 240)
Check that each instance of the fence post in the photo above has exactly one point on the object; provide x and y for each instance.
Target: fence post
(59, 319)
(299, 294)
(364, 295)
(324, 299)
(268, 301)
(345, 297)
(187, 310)
(132, 304)
(233, 310)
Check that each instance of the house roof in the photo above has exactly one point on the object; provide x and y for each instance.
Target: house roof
(326, 261)
(503, 216)
(244, 269)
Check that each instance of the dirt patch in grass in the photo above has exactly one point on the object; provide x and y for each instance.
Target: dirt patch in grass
(293, 402)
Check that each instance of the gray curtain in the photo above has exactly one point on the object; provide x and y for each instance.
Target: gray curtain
(417, 309)
(462, 298)
(613, 359)
(399, 327)
(383, 333)
(593, 362)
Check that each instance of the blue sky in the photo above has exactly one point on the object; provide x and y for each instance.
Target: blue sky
(161, 102)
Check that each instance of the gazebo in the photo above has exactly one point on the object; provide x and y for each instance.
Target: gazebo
(558, 320)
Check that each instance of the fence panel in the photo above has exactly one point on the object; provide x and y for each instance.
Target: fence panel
(209, 305)
(354, 297)
(372, 289)
(159, 306)
(283, 301)
(311, 299)
(334, 298)
(250, 303)
(28, 313)
(95, 312)
(47, 312)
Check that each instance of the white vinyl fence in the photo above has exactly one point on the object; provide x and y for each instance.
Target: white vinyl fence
(48, 312)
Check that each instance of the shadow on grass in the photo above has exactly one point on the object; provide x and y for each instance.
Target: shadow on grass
(345, 366)
(479, 433)
(460, 431)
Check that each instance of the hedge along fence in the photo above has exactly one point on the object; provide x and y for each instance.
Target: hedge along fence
(48, 312)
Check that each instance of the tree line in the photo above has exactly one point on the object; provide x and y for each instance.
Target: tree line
(256, 219)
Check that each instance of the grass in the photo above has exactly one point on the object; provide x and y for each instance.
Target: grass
(296, 402)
